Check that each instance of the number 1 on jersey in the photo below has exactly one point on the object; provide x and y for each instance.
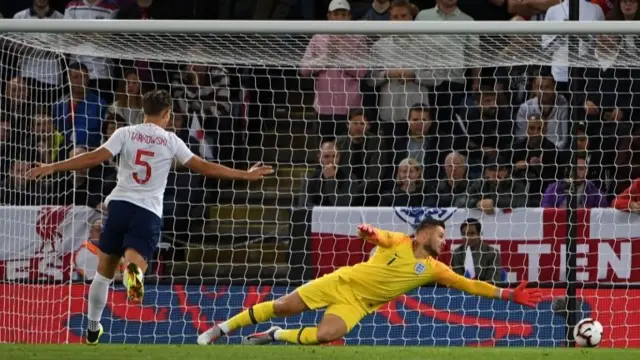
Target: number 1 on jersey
(141, 162)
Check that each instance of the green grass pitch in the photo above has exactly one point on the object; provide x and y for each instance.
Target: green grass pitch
(223, 352)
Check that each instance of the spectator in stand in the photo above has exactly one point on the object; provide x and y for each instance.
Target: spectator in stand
(329, 184)
(17, 190)
(552, 107)
(447, 86)
(128, 99)
(409, 189)
(41, 70)
(47, 141)
(609, 5)
(589, 195)
(482, 125)
(627, 164)
(625, 10)
(360, 152)
(202, 92)
(417, 139)
(452, 191)
(79, 115)
(16, 100)
(534, 10)
(398, 88)
(273, 9)
(497, 189)
(629, 200)
(379, 11)
(7, 150)
(336, 89)
(559, 46)
(475, 259)
(536, 160)
(100, 69)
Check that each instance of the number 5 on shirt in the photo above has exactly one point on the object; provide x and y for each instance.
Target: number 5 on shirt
(140, 161)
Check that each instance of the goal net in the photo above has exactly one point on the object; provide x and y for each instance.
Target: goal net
(478, 129)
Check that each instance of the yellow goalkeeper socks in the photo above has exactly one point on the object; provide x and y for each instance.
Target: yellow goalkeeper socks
(304, 336)
(254, 315)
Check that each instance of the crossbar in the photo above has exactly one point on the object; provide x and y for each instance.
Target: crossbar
(320, 27)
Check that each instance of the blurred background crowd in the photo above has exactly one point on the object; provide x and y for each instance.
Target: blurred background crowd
(486, 138)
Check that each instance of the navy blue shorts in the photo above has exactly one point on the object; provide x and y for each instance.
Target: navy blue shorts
(130, 226)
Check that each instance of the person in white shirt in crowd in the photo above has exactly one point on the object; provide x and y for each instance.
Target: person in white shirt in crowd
(559, 45)
(41, 70)
(552, 107)
(100, 69)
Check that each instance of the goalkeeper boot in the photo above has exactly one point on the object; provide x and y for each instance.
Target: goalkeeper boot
(262, 338)
(93, 337)
(134, 282)
(210, 335)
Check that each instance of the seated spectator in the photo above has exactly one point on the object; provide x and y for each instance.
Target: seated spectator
(360, 152)
(624, 10)
(482, 127)
(534, 10)
(398, 89)
(17, 190)
(417, 139)
(79, 115)
(552, 107)
(536, 160)
(47, 141)
(588, 194)
(336, 89)
(16, 101)
(379, 10)
(329, 184)
(149, 10)
(629, 200)
(128, 99)
(497, 189)
(452, 191)
(7, 149)
(409, 189)
(202, 93)
(475, 259)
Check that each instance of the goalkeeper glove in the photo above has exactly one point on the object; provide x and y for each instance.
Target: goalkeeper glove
(523, 296)
(367, 232)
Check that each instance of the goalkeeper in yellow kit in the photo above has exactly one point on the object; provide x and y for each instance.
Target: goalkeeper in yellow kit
(400, 264)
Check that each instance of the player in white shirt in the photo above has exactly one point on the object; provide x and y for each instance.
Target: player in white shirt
(132, 228)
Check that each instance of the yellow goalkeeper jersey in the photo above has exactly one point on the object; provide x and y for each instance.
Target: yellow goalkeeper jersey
(393, 270)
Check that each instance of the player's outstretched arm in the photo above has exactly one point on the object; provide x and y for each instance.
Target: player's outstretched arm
(80, 162)
(520, 295)
(379, 237)
(213, 170)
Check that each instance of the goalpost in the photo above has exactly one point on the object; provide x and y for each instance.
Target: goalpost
(240, 97)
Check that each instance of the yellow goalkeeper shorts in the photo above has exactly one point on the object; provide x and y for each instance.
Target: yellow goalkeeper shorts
(333, 293)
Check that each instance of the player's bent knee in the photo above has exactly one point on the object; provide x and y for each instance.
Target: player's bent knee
(107, 265)
(328, 334)
(289, 304)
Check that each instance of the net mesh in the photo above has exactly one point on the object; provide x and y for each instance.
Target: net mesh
(387, 130)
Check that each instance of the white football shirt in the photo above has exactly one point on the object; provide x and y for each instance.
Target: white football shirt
(146, 154)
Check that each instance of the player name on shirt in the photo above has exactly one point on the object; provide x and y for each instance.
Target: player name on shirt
(149, 139)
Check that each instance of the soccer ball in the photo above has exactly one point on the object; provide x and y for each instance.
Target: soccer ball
(588, 332)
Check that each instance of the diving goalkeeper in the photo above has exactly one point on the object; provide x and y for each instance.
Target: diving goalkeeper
(400, 264)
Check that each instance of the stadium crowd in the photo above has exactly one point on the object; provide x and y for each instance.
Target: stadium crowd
(464, 137)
